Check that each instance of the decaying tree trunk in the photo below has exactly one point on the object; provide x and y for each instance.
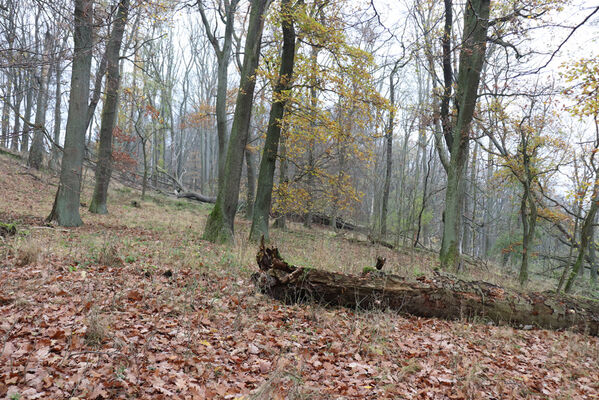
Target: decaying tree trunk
(197, 197)
(439, 296)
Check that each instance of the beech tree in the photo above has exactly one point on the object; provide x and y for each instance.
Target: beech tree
(261, 211)
(66, 204)
(219, 226)
(585, 94)
(456, 130)
(108, 119)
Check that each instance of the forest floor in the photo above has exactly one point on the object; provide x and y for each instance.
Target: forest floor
(134, 304)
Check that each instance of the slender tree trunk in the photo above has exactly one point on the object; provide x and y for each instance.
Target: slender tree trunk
(55, 156)
(388, 155)
(109, 111)
(314, 105)
(223, 56)
(251, 182)
(585, 238)
(273, 133)
(18, 88)
(488, 205)
(96, 93)
(9, 23)
(28, 109)
(472, 57)
(528, 214)
(36, 154)
(592, 254)
(144, 183)
(6, 107)
(281, 221)
(219, 227)
(66, 205)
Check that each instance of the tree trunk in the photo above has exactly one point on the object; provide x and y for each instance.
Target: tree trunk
(281, 221)
(273, 134)
(197, 197)
(251, 182)
(6, 107)
(472, 57)
(66, 204)
(439, 296)
(223, 56)
(36, 154)
(585, 237)
(388, 155)
(592, 254)
(219, 227)
(55, 155)
(28, 108)
(109, 111)
(19, 88)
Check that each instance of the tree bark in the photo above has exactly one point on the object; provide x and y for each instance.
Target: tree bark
(19, 88)
(219, 227)
(55, 154)
(66, 204)
(223, 56)
(281, 220)
(585, 238)
(197, 197)
(109, 111)
(36, 154)
(27, 76)
(472, 57)
(273, 134)
(439, 296)
(388, 154)
(251, 182)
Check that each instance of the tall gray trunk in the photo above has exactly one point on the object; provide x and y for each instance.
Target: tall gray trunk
(18, 88)
(472, 57)
(55, 156)
(251, 183)
(273, 134)
(281, 221)
(585, 237)
(66, 204)
(219, 227)
(109, 111)
(36, 154)
(28, 109)
(223, 56)
(6, 108)
(388, 155)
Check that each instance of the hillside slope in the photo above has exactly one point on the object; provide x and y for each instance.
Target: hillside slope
(135, 305)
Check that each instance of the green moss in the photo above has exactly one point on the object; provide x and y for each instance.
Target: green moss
(10, 154)
(366, 270)
(9, 229)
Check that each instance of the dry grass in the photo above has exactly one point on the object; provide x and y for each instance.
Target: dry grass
(96, 331)
(164, 234)
(27, 252)
(109, 255)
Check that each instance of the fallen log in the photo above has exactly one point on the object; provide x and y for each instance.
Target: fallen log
(197, 197)
(438, 296)
(324, 220)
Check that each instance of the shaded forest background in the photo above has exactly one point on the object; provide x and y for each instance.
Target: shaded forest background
(383, 125)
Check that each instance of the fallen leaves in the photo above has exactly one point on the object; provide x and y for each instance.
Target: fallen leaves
(193, 332)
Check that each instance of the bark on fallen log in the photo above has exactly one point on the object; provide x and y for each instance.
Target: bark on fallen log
(439, 296)
(197, 197)
(324, 220)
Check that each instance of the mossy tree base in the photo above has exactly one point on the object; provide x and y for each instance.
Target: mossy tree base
(217, 230)
(439, 296)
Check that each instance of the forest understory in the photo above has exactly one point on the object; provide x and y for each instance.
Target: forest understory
(135, 305)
